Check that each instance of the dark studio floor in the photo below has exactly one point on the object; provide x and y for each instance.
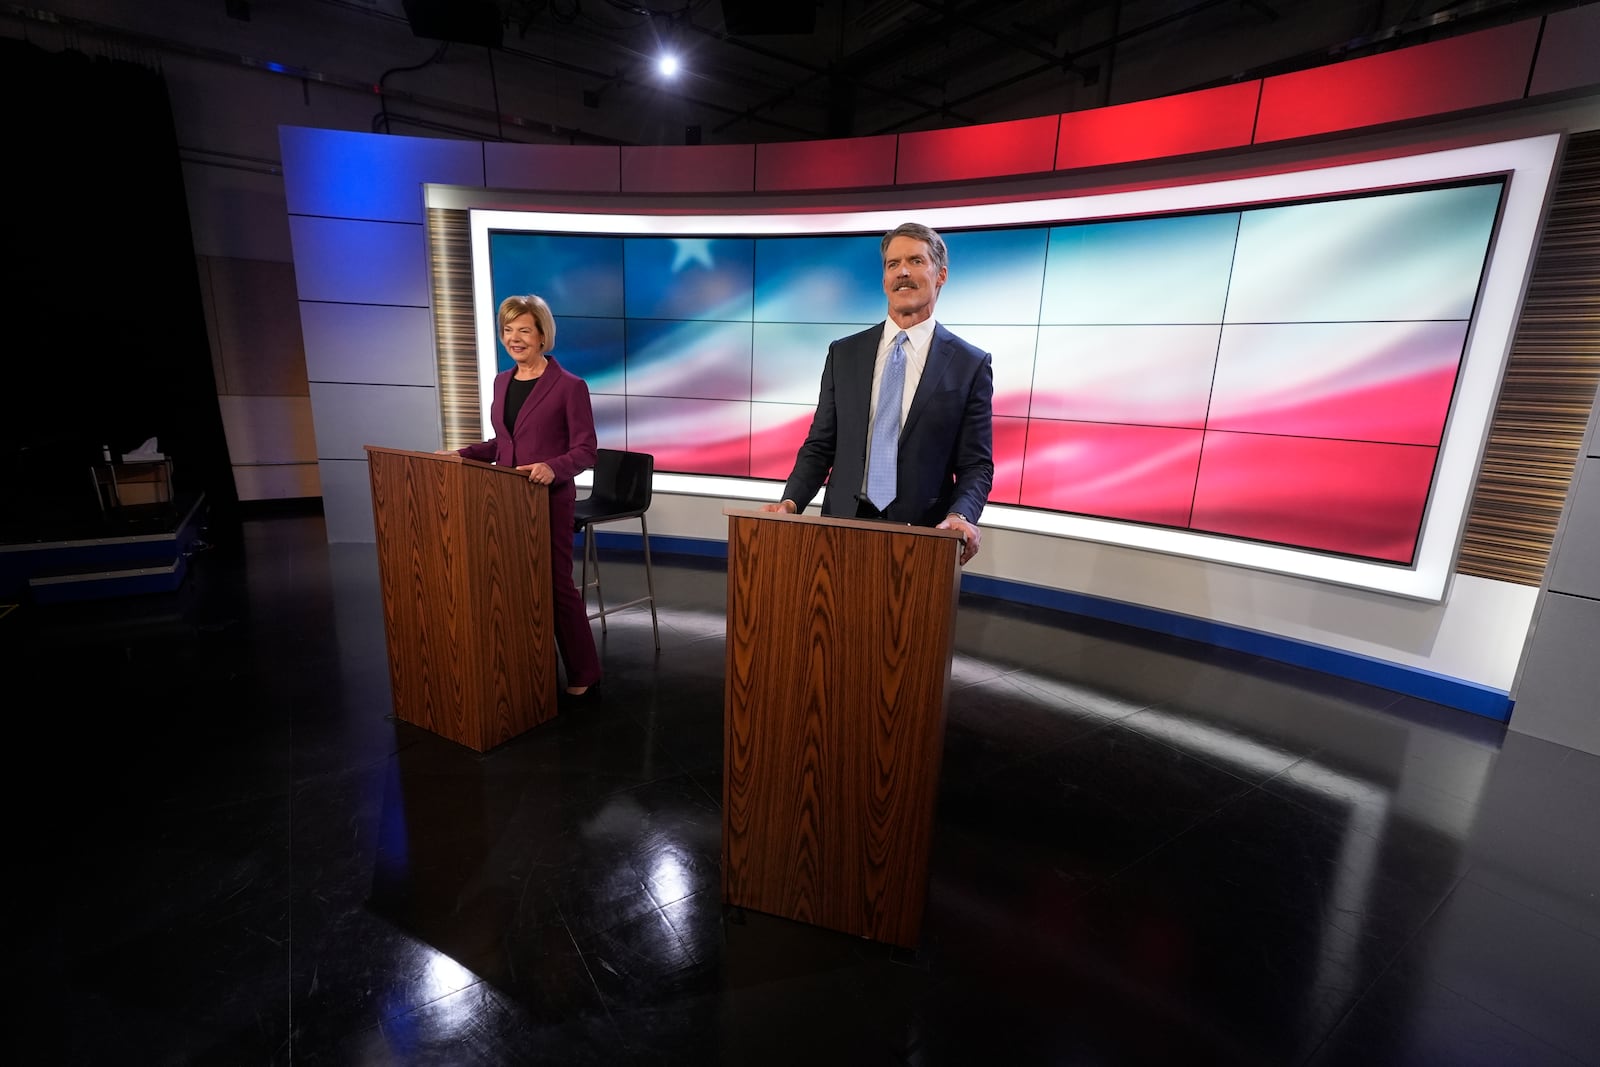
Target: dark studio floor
(1147, 851)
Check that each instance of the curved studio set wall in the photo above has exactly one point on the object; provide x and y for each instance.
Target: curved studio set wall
(1248, 406)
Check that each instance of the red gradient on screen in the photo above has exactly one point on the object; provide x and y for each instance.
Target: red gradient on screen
(773, 448)
(692, 436)
(1409, 410)
(1010, 441)
(1352, 497)
(1139, 473)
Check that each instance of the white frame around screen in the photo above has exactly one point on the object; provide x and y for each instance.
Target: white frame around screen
(1528, 165)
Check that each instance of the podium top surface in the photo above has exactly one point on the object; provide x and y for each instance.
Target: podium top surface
(450, 458)
(875, 525)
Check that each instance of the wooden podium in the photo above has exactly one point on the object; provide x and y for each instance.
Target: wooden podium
(464, 563)
(839, 641)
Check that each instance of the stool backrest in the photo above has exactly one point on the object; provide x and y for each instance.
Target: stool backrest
(622, 482)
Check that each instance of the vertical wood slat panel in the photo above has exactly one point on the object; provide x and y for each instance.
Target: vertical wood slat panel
(1549, 387)
(455, 332)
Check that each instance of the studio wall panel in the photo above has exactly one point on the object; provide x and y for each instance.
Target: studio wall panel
(1473, 70)
(1204, 121)
(360, 262)
(559, 167)
(348, 175)
(350, 417)
(278, 481)
(837, 164)
(347, 500)
(1575, 568)
(1567, 51)
(719, 168)
(1558, 698)
(368, 343)
(993, 150)
(237, 213)
(257, 333)
(268, 429)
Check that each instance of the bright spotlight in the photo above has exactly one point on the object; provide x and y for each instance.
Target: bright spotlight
(667, 65)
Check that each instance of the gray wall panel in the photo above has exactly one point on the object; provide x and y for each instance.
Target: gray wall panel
(1576, 569)
(360, 262)
(347, 500)
(350, 417)
(365, 343)
(579, 168)
(1559, 697)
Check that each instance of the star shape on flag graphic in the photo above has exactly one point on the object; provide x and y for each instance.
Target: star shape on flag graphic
(691, 250)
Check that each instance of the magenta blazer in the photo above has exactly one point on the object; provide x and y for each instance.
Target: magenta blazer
(555, 426)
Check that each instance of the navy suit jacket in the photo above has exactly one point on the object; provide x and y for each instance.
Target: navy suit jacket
(946, 460)
(555, 425)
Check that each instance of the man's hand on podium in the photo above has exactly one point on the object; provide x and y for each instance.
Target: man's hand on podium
(971, 538)
(784, 506)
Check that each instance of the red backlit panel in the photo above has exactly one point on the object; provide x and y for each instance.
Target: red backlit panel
(994, 150)
(711, 168)
(1474, 70)
(1010, 441)
(843, 164)
(1149, 129)
(1315, 493)
(1139, 473)
(776, 433)
(579, 168)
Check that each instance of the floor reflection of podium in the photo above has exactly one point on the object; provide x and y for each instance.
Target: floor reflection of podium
(462, 844)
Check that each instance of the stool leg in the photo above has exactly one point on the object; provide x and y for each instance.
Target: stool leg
(650, 581)
(583, 587)
(599, 596)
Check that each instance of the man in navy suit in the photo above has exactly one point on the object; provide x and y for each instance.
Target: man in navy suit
(945, 463)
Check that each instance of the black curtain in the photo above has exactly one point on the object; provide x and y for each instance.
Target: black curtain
(108, 341)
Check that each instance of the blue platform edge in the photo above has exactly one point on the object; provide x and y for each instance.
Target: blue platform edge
(1458, 693)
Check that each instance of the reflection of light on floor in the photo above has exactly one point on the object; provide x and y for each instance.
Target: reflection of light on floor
(668, 880)
(442, 976)
(1345, 908)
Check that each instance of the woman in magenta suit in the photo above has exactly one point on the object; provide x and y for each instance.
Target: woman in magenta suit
(544, 425)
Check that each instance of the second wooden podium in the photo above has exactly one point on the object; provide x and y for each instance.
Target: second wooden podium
(838, 659)
(464, 563)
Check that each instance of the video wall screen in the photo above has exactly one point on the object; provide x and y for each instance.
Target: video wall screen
(1278, 371)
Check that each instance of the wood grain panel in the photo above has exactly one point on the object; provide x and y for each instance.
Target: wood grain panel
(839, 643)
(464, 569)
(1549, 387)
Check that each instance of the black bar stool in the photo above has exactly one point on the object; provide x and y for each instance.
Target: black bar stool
(622, 490)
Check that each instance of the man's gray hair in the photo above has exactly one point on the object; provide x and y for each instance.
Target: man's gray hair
(918, 232)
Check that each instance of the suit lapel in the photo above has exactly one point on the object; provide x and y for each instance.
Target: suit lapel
(856, 380)
(547, 382)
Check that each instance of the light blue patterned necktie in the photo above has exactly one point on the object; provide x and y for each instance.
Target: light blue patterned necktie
(883, 453)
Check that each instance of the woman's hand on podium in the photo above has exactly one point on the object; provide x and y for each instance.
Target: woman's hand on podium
(538, 472)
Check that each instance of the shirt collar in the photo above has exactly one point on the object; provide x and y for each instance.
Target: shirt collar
(918, 336)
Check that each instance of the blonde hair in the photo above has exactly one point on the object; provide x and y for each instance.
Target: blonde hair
(514, 307)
